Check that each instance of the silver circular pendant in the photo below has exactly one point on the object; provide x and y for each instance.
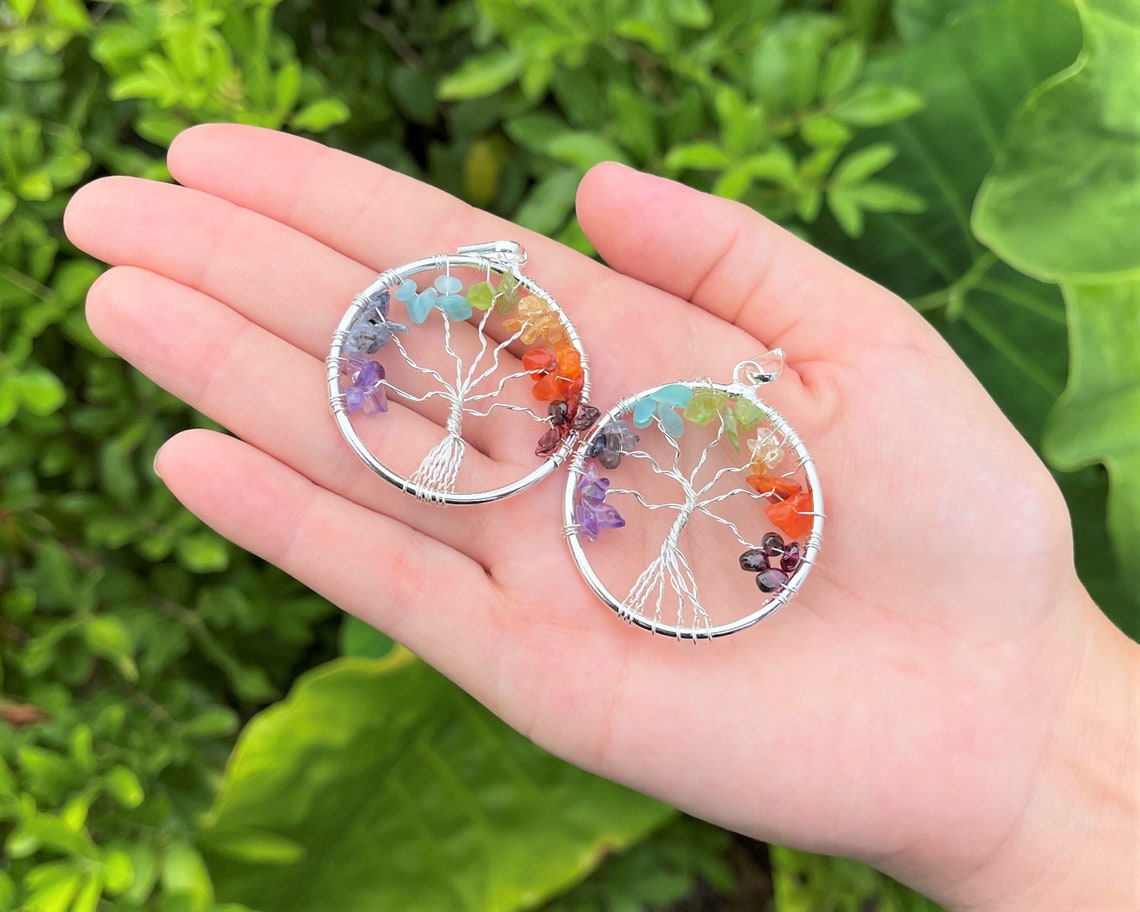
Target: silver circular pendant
(760, 505)
(444, 327)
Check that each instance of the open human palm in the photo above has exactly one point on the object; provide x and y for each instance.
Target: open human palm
(896, 710)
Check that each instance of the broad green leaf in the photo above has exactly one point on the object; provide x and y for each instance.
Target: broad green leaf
(1098, 417)
(916, 20)
(1009, 328)
(404, 793)
(1063, 205)
(1058, 205)
(480, 76)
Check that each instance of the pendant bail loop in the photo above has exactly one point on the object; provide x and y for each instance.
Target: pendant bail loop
(510, 254)
(765, 368)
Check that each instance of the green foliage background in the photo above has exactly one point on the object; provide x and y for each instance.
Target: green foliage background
(980, 157)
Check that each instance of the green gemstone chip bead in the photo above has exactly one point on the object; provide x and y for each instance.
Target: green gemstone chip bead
(508, 294)
(481, 295)
(705, 405)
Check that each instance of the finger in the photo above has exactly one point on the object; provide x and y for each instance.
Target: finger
(272, 275)
(407, 584)
(272, 395)
(736, 264)
(376, 216)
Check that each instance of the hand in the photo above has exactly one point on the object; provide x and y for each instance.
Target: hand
(934, 675)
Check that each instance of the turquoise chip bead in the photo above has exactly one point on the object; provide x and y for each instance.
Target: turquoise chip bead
(643, 412)
(674, 394)
(455, 306)
(407, 291)
(420, 306)
(448, 284)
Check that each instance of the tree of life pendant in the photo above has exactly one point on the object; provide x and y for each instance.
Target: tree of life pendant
(702, 464)
(477, 357)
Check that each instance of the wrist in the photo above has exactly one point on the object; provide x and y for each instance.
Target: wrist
(1077, 845)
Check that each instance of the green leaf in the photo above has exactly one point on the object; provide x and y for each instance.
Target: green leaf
(41, 391)
(109, 637)
(54, 891)
(633, 121)
(22, 9)
(1056, 205)
(846, 211)
(701, 156)
(425, 800)
(203, 552)
(821, 131)
(873, 105)
(317, 116)
(1096, 419)
(413, 94)
(87, 899)
(480, 76)
(1071, 160)
(257, 847)
(550, 203)
(67, 14)
(123, 785)
(361, 640)
(9, 398)
(184, 874)
(841, 68)
(584, 150)
(7, 204)
(858, 166)
(118, 871)
(689, 13)
(917, 20)
(1009, 328)
(877, 196)
(803, 882)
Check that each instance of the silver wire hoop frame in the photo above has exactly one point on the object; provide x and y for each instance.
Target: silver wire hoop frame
(748, 374)
(500, 258)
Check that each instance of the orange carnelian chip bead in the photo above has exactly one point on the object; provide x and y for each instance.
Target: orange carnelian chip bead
(792, 516)
(781, 487)
(539, 360)
(550, 387)
(569, 361)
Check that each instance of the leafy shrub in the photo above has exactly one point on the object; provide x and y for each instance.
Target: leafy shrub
(135, 644)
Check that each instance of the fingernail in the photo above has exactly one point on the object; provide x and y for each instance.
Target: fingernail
(156, 455)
